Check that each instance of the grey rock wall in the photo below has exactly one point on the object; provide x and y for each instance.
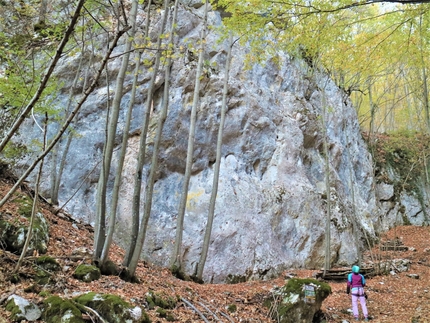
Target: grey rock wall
(271, 206)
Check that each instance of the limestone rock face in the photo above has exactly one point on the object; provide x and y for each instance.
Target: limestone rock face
(271, 205)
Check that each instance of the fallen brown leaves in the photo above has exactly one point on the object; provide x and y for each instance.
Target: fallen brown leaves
(395, 298)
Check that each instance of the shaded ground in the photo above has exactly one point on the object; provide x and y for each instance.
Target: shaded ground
(393, 298)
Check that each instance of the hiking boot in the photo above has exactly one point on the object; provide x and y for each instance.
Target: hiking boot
(357, 319)
(366, 320)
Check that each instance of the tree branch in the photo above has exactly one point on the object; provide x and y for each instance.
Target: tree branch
(195, 309)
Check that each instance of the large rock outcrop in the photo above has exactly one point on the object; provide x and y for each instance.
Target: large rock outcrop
(271, 206)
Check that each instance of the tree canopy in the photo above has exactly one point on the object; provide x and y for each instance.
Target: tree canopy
(377, 51)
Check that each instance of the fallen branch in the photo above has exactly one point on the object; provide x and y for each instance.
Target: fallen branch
(207, 309)
(195, 309)
(90, 310)
(227, 317)
(72, 258)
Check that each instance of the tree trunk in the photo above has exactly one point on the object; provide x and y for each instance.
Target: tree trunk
(138, 176)
(154, 161)
(100, 227)
(56, 174)
(118, 177)
(176, 260)
(208, 232)
(327, 259)
(34, 207)
(135, 244)
(372, 112)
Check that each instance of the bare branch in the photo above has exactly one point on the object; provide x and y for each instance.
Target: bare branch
(195, 309)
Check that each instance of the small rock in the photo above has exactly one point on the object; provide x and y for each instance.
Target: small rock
(290, 275)
(136, 313)
(27, 310)
(414, 276)
(82, 251)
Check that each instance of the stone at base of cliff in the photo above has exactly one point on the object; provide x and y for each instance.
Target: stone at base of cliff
(298, 300)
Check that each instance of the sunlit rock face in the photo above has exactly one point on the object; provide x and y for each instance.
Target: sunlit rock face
(271, 207)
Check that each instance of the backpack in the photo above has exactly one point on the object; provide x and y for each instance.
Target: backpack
(363, 281)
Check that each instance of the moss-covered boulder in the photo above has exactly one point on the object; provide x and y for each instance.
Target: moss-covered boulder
(164, 302)
(112, 308)
(87, 273)
(61, 310)
(44, 267)
(48, 263)
(21, 309)
(298, 300)
(13, 231)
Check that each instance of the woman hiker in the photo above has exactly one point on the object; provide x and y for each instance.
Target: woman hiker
(355, 286)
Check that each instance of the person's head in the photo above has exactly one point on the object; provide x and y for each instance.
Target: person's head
(355, 269)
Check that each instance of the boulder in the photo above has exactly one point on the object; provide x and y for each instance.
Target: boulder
(112, 308)
(14, 233)
(57, 310)
(87, 273)
(22, 309)
(298, 300)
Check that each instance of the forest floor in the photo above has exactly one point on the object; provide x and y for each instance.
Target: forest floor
(398, 297)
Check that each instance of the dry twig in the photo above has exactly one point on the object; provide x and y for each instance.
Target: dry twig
(195, 309)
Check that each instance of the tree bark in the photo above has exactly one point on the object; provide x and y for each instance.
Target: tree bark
(118, 177)
(34, 207)
(154, 161)
(208, 232)
(327, 258)
(136, 243)
(176, 260)
(100, 229)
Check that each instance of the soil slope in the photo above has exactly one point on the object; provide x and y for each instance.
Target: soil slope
(398, 297)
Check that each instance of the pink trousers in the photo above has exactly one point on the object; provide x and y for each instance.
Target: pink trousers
(358, 295)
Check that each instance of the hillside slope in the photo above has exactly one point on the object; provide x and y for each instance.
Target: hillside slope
(395, 298)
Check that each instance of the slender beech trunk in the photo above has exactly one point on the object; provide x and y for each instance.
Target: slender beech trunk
(327, 258)
(372, 112)
(154, 161)
(100, 227)
(67, 122)
(57, 173)
(71, 134)
(135, 227)
(426, 98)
(135, 244)
(176, 260)
(208, 232)
(34, 207)
(46, 77)
(121, 158)
(100, 219)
